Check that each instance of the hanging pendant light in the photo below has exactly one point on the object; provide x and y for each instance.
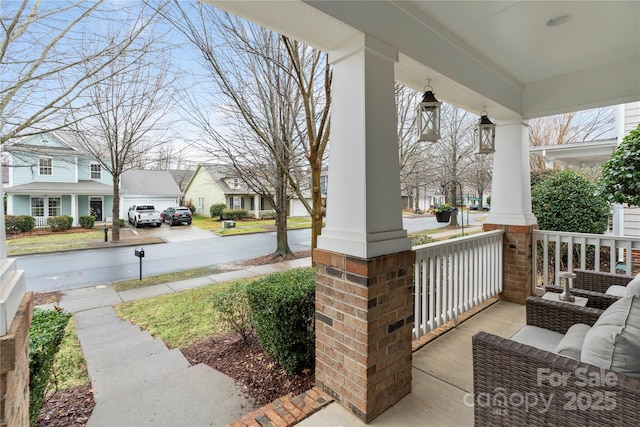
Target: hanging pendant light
(429, 116)
(485, 134)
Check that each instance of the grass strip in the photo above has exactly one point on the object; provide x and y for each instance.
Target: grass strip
(69, 367)
(176, 276)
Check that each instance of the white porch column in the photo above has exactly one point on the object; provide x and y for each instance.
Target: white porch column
(74, 208)
(12, 283)
(511, 184)
(9, 205)
(256, 205)
(364, 217)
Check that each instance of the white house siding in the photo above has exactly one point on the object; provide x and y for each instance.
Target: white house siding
(204, 186)
(631, 116)
(632, 222)
(296, 208)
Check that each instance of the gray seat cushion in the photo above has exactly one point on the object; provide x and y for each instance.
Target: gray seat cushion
(541, 338)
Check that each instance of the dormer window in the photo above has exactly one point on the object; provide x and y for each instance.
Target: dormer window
(96, 171)
(236, 182)
(45, 166)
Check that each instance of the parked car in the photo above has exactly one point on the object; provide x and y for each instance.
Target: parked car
(177, 215)
(144, 215)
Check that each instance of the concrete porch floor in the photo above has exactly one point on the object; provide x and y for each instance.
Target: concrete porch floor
(442, 376)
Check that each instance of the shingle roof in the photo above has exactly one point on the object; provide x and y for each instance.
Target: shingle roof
(81, 187)
(146, 182)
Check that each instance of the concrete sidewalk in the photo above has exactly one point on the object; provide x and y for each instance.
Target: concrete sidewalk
(136, 379)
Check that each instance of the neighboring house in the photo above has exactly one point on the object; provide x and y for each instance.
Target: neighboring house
(181, 177)
(212, 184)
(50, 175)
(157, 188)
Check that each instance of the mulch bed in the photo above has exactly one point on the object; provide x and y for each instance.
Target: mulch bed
(262, 379)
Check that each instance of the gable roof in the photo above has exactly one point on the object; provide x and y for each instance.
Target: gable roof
(182, 177)
(148, 182)
(220, 173)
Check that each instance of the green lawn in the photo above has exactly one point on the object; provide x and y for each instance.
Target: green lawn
(160, 315)
(125, 285)
(52, 242)
(247, 226)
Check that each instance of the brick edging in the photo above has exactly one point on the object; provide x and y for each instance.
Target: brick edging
(285, 411)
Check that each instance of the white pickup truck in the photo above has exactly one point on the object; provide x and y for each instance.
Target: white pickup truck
(143, 215)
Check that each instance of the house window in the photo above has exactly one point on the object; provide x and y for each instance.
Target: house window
(37, 206)
(54, 206)
(201, 203)
(46, 167)
(323, 184)
(96, 171)
(236, 182)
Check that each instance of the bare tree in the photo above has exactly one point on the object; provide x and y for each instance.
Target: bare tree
(120, 116)
(45, 50)
(270, 126)
(455, 151)
(577, 126)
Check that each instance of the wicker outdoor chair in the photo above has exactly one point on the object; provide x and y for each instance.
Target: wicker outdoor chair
(593, 285)
(518, 385)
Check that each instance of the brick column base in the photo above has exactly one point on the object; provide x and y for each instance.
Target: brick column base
(14, 367)
(364, 319)
(517, 259)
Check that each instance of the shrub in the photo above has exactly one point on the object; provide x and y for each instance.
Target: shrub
(621, 173)
(268, 215)
(233, 308)
(421, 239)
(283, 310)
(19, 223)
(60, 223)
(569, 202)
(217, 210)
(45, 335)
(87, 221)
(234, 214)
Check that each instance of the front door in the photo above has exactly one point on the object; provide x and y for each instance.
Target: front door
(95, 207)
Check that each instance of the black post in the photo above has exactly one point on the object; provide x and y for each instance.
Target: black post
(106, 239)
(140, 268)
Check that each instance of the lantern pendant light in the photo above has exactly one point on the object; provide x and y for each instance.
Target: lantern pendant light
(428, 117)
(485, 134)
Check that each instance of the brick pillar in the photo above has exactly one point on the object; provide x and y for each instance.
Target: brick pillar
(364, 319)
(14, 367)
(517, 260)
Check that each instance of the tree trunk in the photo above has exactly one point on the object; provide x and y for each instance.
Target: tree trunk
(317, 211)
(115, 214)
(282, 240)
(454, 203)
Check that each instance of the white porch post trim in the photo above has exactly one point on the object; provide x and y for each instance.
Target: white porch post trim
(12, 282)
(511, 184)
(9, 205)
(364, 217)
(256, 205)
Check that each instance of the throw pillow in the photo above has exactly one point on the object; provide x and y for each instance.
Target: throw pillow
(614, 340)
(571, 344)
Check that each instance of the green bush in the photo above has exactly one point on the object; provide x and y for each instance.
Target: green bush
(268, 215)
(234, 214)
(569, 202)
(217, 210)
(45, 335)
(19, 223)
(233, 308)
(421, 239)
(60, 222)
(87, 221)
(283, 311)
(621, 173)
(121, 222)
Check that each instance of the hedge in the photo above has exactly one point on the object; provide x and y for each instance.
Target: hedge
(60, 222)
(234, 214)
(283, 310)
(45, 336)
(87, 221)
(19, 223)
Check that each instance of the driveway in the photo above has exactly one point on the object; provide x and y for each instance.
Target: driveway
(174, 234)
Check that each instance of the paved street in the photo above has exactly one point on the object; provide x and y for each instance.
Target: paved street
(186, 248)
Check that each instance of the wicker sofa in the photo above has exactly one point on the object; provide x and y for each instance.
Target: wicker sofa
(519, 385)
(593, 285)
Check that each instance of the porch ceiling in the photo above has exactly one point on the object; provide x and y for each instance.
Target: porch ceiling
(495, 53)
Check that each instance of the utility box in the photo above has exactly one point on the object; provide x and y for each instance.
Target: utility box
(228, 224)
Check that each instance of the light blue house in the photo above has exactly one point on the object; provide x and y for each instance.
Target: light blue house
(49, 175)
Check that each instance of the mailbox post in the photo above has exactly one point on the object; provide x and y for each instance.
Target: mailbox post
(140, 254)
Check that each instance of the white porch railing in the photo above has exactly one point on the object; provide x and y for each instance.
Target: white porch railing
(41, 221)
(453, 276)
(561, 251)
